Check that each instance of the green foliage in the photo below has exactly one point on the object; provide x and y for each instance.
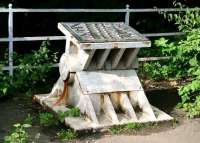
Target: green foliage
(33, 68)
(124, 128)
(190, 97)
(186, 21)
(116, 130)
(183, 52)
(33, 71)
(67, 135)
(4, 83)
(134, 126)
(28, 120)
(47, 119)
(18, 135)
(184, 59)
(158, 70)
(73, 112)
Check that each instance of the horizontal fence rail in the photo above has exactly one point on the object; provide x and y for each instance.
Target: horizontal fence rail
(6, 68)
(126, 10)
(41, 38)
(146, 59)
(5, 10)
(37, 38)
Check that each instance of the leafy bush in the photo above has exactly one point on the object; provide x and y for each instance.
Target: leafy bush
(186, 21)
(157, 70)
(18, 135)
(185, 58)
(33, 68)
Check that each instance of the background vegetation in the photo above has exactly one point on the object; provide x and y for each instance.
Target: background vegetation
(184, 59)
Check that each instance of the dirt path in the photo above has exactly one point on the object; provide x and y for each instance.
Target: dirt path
(187, 132)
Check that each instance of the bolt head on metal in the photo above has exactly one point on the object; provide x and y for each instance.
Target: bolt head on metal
(127, 6)
(10, 5)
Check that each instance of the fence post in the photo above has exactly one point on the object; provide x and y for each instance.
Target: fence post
(127, 16)
(10, 36)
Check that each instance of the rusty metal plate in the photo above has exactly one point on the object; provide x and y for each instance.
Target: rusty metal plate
(97, 32)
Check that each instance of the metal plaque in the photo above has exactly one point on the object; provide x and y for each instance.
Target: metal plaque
(95, 32)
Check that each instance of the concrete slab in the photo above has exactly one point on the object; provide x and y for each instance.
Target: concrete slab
(84, 123)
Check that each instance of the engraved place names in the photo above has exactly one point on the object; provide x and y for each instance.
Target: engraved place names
(103, 32)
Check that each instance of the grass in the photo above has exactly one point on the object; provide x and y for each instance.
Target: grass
(67, 135)
(116, 130)
(28, 119)
(124, 128)
(73, 112)
(128, 127)
(47, 119)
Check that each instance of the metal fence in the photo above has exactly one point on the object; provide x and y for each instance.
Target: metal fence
(126, 11)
